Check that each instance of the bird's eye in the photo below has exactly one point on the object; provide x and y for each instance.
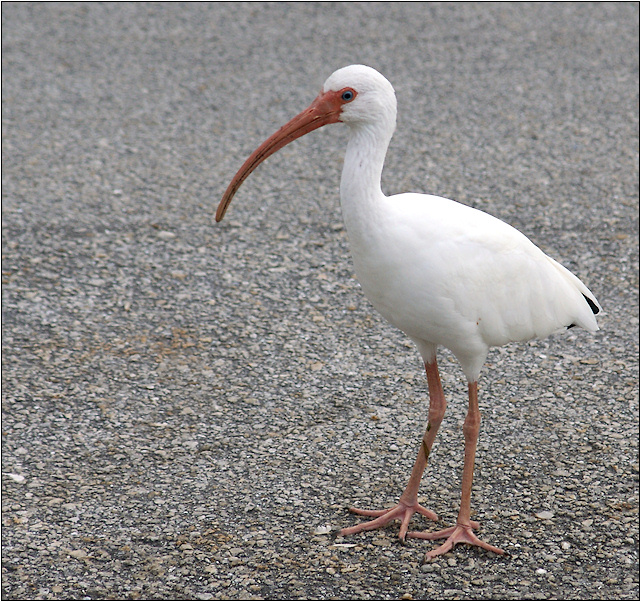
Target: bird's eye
(348, 95)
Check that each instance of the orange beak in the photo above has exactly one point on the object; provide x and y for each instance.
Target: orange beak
(325, 109)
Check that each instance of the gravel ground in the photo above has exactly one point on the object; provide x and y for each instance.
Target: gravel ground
(187, 406)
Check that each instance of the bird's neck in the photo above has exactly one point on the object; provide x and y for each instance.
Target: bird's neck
(360, 189)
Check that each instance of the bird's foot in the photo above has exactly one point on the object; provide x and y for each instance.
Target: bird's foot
(402, 511)
(459, 533)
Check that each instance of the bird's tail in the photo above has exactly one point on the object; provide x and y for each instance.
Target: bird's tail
(587, 311)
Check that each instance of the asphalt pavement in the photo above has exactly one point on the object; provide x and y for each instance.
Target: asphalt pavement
(190, 407)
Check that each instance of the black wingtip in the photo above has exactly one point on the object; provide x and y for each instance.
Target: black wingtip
(593, 306)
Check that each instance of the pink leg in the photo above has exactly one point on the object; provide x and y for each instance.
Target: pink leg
(462, 532)
(408, 503)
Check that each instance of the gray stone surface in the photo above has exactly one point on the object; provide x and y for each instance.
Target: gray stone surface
(187, 406)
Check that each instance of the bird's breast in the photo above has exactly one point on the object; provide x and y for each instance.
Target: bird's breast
(406, 271)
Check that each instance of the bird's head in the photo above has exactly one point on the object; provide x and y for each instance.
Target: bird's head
(363, 95)
(357, 95)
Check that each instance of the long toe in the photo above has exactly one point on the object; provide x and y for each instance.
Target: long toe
(456, 534)
(401, 511)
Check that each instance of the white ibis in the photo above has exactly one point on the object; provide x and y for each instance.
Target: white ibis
(442, 272)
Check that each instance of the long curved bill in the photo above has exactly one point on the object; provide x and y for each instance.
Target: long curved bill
(325, 109)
